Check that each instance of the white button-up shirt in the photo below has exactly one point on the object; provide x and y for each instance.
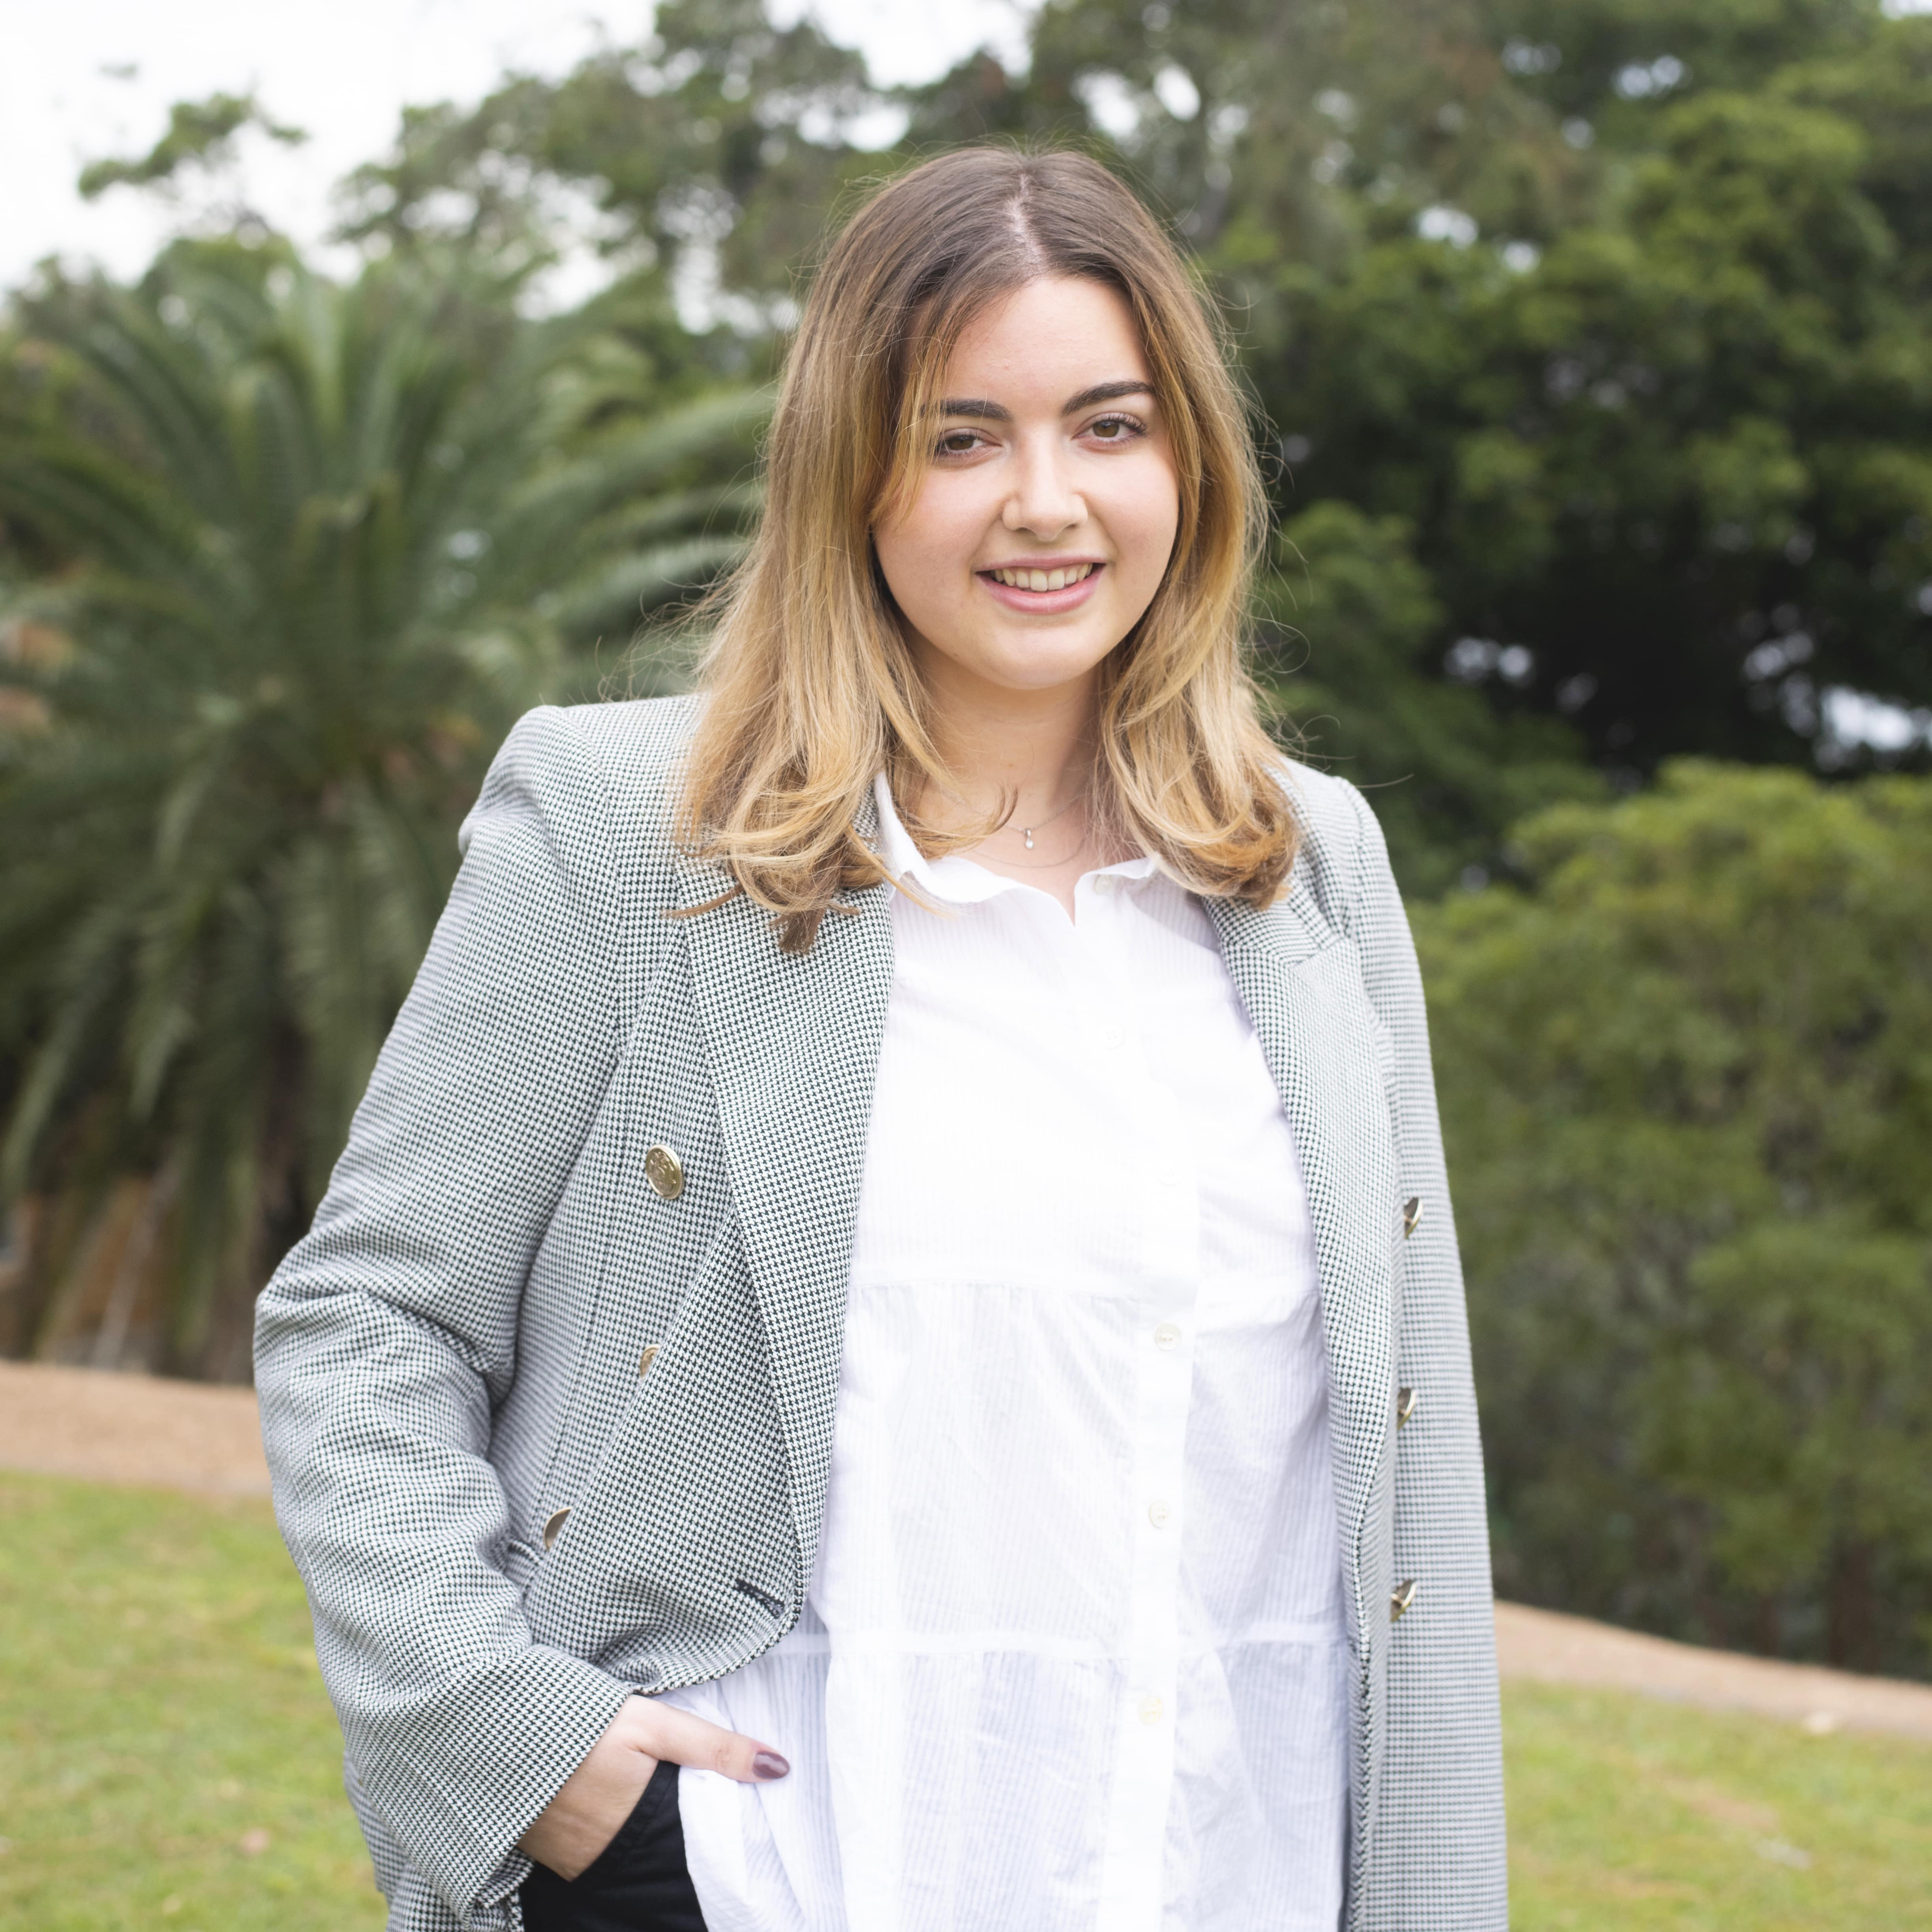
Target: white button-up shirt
(1073, 1657)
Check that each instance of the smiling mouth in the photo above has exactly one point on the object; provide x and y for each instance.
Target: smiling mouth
(1043, 579)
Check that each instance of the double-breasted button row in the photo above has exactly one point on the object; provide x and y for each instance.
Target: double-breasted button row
(553, 1528)
(1403, 1594)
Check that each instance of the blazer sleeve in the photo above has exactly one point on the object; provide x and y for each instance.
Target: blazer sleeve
(1439, 1855)
(387, 1336)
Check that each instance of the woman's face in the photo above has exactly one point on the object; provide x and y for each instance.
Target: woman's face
(1046, 514)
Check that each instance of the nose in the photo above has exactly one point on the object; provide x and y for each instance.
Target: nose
(1042, 502)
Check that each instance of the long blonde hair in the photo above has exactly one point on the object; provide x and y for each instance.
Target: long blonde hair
(811, 687)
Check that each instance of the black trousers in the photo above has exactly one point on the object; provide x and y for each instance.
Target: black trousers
(638, 1883)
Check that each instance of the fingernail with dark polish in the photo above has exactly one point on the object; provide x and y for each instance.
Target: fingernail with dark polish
(769, 1764)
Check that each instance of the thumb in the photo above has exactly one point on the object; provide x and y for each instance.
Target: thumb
(683, 1739)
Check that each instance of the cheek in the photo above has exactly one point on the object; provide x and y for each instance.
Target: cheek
(928, 547)
(1145, 516)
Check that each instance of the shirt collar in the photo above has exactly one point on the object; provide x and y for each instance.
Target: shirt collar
(956, 879)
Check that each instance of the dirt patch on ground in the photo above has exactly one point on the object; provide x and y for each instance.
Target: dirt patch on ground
(1573, 1650)
(187, 1435)
(130, 1429)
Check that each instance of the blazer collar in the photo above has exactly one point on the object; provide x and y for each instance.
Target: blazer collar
(1291, 930)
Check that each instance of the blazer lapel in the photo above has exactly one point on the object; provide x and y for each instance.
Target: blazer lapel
(1299, 981)
(792, 1041)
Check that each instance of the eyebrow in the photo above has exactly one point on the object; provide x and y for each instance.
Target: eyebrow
(988, 411)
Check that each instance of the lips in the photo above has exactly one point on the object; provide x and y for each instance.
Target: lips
(1056, 579)
(1043, 590)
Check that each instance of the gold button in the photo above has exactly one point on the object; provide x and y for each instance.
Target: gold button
(1404, 1406)
(645, 1360)
(553, 1528)
(1411, 1215)
(1400, 1598)
(665, 1171)
(1167, 1335)
(1150, 1710)
(1158, 1514)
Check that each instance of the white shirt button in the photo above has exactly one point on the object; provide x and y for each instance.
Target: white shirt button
(1150, 1710)
(1158, 1514)
(1167, 1335)
(1113, 1038)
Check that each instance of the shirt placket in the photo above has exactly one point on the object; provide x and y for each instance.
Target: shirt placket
(1162, 1355)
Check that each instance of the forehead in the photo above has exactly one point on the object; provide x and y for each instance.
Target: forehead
(1046, 341)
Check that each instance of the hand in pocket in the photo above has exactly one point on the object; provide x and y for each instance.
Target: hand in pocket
(590, 1808)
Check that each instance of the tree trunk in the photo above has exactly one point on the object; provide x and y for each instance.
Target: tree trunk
(1851, 1625)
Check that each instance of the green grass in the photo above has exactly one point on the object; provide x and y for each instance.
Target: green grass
(167, 1758)
(1630, 1815)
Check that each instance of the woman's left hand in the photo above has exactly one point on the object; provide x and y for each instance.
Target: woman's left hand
(590, 1808)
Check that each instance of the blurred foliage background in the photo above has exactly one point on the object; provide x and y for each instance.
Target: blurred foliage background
(1590, 344)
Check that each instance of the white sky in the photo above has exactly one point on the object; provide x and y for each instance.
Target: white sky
(342, 70)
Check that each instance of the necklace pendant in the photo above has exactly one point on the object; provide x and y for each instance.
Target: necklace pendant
(1026, 832)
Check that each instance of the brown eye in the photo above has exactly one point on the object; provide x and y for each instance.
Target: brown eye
(957, 443)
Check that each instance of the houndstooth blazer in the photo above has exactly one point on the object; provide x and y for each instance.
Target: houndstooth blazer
(453, 1358)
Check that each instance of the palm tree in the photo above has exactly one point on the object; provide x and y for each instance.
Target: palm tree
(318, 545)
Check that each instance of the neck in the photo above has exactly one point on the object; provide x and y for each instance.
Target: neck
(1032, 750)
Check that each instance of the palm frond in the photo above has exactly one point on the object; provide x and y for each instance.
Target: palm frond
(322, 543)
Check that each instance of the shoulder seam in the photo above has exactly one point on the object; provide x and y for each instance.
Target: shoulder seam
(1348, 870)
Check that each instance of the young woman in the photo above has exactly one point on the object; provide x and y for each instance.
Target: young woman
(898, 1257)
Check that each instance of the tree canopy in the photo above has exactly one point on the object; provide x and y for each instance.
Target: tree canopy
(1611, 317)
(1688, 1100)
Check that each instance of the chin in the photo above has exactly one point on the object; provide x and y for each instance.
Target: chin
(1023, 665)
(1034, 676)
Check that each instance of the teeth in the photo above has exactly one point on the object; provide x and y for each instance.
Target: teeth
(1045, 580)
